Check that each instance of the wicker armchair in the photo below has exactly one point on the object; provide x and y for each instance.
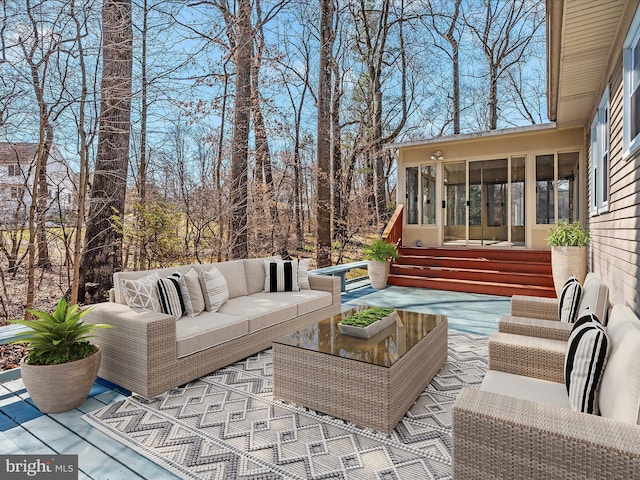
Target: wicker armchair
(511, 428)
(499, 437)
(538, 317)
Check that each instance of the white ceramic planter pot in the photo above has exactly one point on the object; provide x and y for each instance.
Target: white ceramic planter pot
(567, 261)
(378, 273)
(58, 388)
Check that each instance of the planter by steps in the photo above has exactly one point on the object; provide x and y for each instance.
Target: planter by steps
(62, 387)
(378, 273)
(567, 261)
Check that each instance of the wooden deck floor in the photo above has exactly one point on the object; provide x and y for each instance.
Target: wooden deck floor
(25, 430)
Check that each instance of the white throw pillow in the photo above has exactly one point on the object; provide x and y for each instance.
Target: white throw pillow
(142, 293)
(216, 290)
(584, 364)
(281, 276)
(184, 292)
(192, 281)
(303, 274)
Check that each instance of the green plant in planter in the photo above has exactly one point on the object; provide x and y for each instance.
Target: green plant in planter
(58, 338)
(381, 251)
(568, 235)
(364, 318)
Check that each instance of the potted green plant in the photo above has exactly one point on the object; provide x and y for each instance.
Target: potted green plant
(380, 253)
(62, 364)
(568, 243)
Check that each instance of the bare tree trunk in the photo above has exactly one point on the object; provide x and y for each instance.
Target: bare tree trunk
(240, 146)
(43, 197)
(102, 255)
(323, 215)
(339, 197)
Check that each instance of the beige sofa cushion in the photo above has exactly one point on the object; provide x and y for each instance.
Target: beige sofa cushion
(526, 388)
(233, 272)
(261, 311)
(595, 296)
(254, 271)
(194, 334)
(620, 387)
(306, 300)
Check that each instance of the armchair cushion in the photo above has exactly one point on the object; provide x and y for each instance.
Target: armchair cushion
(587, 352)
(569, 300)
(526, 388)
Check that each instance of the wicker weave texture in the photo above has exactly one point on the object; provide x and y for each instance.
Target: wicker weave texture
(366, 394)
(535, 327)
(139, 354)
(527, 356)
(534, 307)
(498, 437)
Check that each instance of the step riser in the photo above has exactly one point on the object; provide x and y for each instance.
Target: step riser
(471, 287)
(477, 264)
(543, 256)
(472, 275)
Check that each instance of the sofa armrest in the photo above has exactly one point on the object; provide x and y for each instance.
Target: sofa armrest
(535, 327)
(495, 436)
(327, 283)
(527, 356)
(534, 307)
(138, 350)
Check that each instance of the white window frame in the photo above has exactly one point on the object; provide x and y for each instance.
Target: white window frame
(600, 150)
(631, 83)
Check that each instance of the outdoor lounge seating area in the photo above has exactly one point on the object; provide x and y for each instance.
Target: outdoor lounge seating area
(529, 418)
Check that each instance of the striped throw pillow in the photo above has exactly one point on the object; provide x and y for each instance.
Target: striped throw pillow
(584, 364)
(216, 290)
(281, 276)
(184, 292)
(570, 300)
(170, 295)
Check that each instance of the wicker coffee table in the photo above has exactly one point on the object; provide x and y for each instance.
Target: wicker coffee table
(371, 382)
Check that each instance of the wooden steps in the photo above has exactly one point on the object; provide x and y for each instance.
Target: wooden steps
(504, 272)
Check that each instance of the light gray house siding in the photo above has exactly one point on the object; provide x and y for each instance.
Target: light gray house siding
(615, 234)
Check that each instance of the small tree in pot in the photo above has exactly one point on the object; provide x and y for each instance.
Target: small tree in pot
(568, 243)
(380, 253)
(62, 364)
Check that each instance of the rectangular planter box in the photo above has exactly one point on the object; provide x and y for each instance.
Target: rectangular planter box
(370, 330)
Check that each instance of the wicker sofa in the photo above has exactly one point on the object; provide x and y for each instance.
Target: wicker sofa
(518, 427)
(150, 352)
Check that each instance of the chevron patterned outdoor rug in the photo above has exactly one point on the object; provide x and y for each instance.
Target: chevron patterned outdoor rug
(227, 425)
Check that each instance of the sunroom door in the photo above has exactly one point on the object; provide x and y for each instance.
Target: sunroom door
(488, 200)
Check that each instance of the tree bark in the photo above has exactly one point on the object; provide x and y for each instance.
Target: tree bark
(323, 215)
(240, 145)
(102, 254)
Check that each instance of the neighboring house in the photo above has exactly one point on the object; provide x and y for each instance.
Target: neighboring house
(504, 189)
(17, 171)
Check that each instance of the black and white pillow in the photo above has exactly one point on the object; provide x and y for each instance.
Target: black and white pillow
(584, 364)
(281, 276)
(570, 300)
(184, 291)
(171, 300)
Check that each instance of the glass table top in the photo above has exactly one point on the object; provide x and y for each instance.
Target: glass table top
(383, 349)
